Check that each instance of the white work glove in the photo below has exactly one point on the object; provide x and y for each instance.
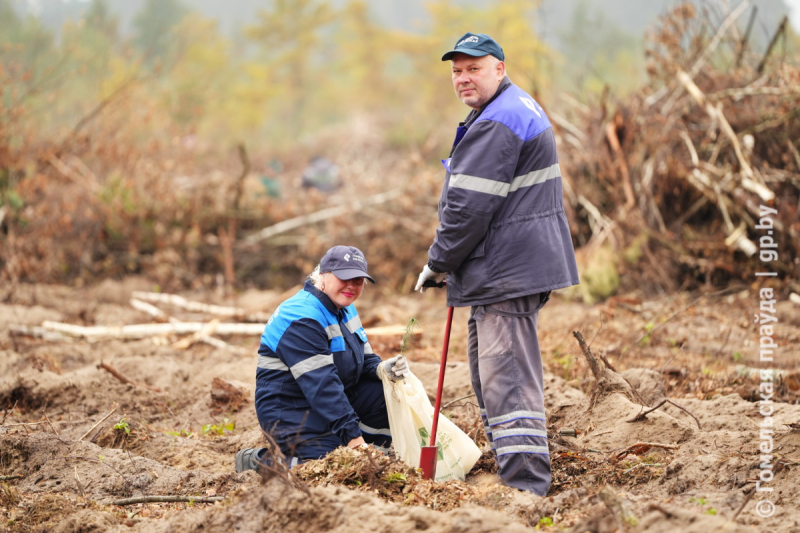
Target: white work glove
(396, 368)
(427, 274)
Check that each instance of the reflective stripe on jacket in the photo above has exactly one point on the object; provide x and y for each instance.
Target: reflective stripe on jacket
(502, 228)
(310, 353)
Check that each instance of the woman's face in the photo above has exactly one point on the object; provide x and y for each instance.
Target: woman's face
(341, 293)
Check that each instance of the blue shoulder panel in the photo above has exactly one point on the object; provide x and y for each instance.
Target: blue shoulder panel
(301, 305)
(519, 112)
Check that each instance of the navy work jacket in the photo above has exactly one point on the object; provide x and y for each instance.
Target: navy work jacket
(502, 228)
(310, 353)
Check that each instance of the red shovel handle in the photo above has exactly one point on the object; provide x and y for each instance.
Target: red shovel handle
(429, 454)
(442, 366)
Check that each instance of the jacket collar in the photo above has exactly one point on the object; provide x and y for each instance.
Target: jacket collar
(475, 113)
(324, 298)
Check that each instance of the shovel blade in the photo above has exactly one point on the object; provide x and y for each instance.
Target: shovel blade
(427, 461)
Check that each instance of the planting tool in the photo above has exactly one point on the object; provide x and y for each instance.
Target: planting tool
(429, 454)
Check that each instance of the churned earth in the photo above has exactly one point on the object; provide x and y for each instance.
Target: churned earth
(186, 408)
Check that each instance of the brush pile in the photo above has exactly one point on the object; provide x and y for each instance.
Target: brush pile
(676, 180)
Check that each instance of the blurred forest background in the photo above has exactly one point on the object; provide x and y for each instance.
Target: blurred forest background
(159, 137)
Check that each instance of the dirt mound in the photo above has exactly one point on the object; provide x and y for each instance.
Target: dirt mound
(181, 439)
(49, 464)
(274, 508)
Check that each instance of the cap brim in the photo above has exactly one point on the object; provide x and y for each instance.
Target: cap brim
(351, 273)
(468, 51)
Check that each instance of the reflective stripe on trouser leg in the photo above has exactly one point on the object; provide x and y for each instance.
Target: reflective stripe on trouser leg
(474, 373)
(506, 367)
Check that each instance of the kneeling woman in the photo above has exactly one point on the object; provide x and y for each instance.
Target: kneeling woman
(317, 383)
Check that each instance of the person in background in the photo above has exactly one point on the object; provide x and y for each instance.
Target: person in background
(318, 382)
(504, 241)
(321, 173)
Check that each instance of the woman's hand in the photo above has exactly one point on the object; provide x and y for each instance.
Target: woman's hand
(357, 442)
(396, 368)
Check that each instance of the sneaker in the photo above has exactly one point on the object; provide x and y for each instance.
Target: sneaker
(249, 459)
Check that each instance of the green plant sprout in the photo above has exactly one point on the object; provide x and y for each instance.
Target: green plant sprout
(123, 425)
(396, 477)
(182, 432)
(214, 429)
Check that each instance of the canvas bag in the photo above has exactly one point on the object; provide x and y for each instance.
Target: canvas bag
(410, 420)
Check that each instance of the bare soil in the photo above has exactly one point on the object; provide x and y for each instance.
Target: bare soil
(168, 436)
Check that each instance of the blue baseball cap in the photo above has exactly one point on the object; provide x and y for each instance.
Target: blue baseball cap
(477, 45)
(345, 262)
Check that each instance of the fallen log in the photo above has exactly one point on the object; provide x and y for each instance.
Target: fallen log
(330, 212)
(180, 301)
(207, 330)
(151, 310)
(139, 331)
(37, 332)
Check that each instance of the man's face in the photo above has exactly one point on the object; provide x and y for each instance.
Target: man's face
(476, 79)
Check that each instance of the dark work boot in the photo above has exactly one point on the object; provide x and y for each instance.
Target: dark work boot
(249, 459)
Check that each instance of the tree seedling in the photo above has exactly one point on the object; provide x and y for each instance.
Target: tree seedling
(182, 432)
(123, 425)
(410, 337)
(396, 477)
(219, 429)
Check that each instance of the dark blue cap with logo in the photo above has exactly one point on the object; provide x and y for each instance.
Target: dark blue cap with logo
(476, 44)
(345, 262)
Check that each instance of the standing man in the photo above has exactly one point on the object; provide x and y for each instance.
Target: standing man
(504, 241)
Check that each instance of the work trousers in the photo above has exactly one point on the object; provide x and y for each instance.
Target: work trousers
(367, 399)
(505, 365)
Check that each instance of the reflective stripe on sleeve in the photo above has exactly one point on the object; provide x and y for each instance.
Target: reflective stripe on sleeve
(372, 431)
(353, 324)
(312, 363)
(514, 415)
(271, 363)
(498, 188)
(475, 183)
(333, 331)
(522, 449)
(368, 349)
(535, 177)
(519, 432)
